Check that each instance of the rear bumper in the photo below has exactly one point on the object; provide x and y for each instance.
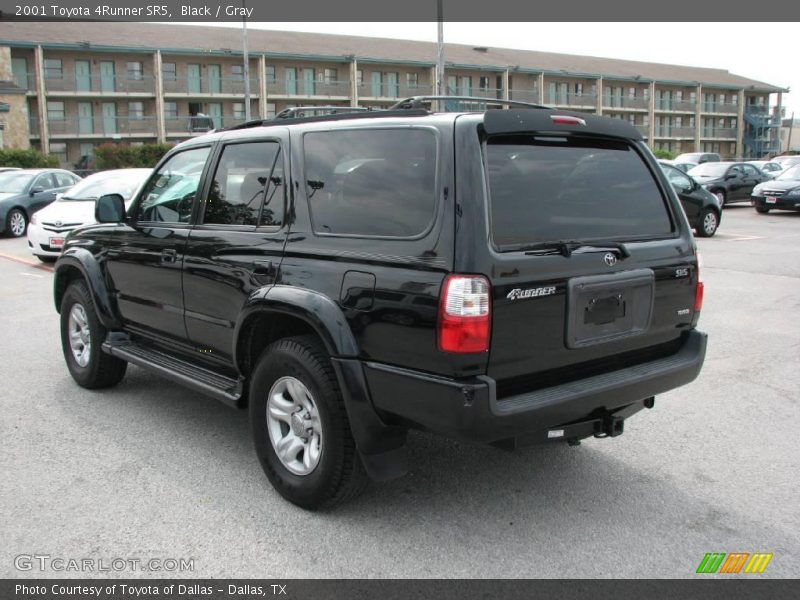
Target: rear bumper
(469, 410)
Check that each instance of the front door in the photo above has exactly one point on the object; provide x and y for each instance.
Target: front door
(308, 82)
(193, 79)
(214, 79)
(144, 258)
(215, 112)
(237, 246)
(107, 76)
(290, 73)
(19, 68)
(109, 118)
(85, 118)
(83, 76)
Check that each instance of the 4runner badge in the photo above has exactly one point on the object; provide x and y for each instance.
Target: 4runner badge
(519, 294)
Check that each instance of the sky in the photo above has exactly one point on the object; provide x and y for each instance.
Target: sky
(762, 51)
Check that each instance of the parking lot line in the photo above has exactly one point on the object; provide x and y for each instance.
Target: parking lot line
(30, 263)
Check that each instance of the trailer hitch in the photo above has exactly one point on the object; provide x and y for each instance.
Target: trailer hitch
(610, 426)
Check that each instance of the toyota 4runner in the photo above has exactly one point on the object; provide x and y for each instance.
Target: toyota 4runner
(503, 276)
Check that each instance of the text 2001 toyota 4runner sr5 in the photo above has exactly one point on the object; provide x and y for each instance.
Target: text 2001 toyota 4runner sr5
(505, 277)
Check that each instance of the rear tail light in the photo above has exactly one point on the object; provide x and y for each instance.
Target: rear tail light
(567, 120)
(698, 291)
(464, 314)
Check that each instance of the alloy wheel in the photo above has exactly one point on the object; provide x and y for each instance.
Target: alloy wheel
(294, 426)
(80, 342)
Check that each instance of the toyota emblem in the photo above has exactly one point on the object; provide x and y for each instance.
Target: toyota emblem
(610, 259)
(58, 223)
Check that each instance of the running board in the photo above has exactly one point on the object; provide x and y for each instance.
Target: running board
(205, 381)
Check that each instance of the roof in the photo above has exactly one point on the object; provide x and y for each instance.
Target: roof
(201, 39)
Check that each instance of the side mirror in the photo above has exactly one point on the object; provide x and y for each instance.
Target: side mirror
(36, 190)
(109, 209)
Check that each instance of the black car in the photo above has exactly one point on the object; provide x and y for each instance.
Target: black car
(729, 181)
(504, 277)
(701, 206)
(782, 193)
(24, 191)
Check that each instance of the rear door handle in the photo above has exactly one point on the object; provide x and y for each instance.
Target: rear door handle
(169, 255)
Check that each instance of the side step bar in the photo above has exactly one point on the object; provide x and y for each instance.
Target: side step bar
(209, 383)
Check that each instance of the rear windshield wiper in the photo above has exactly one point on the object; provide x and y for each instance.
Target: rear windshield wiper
(567, 247)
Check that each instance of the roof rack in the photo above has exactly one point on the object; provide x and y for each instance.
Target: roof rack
(359, 113)
(425, 102)
(295, 112)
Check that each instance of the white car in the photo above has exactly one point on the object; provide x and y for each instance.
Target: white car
(75, 208)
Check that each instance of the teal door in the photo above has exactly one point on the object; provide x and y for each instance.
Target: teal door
(308, 82)
(193, 79)
(19, 67)
(83, 76)
(215, 112)
(291, 81)
(85, 118)
(376, 85)
(393, 85)
(214, 79)
(107, 76)
(109, 118)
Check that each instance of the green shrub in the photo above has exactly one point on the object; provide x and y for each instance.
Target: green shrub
(27, 159)
(123, 156)
(664, 154)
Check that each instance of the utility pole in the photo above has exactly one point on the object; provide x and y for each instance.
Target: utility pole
(246, 67)
(440, 91)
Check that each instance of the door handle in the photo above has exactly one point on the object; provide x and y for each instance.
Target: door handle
(263, 267)
(169, 255)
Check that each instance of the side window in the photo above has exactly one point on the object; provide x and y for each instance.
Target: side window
(64, 179)
(750, 170)
(169, 194)
(44, 181)
(678, 179)
(248, 186)
(378, 182)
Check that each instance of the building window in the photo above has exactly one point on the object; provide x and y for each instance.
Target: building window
(238, 110)
(359, 76)
(169, 71)
(579, 89)
(136, 110)
(270, 110)
(59, 150)
(55, 110)
(412, 79)
(330, 75)
(135, 71)
(679, 96)
(53, 68)
(171, 110)
(237, 71)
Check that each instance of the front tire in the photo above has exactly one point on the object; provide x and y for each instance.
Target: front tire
(721, 197)
(82, 335)
(16, 222)
(708, 223)
(300, 427)
(47, 259)
(762, 209)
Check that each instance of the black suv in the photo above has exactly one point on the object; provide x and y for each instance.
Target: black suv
(508, 277)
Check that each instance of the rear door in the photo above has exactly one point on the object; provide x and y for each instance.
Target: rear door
(562, 309)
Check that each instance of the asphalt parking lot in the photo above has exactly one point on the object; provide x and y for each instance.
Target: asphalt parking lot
(150, 470)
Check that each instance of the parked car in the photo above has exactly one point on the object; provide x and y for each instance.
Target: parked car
(683, 166)
(25, 191)
(504, 277)
(7, 169)
(729, 181)
(75, 208)
(770, 168)
(701, 206)
(782, 193)
(787, 160)
(698, 157)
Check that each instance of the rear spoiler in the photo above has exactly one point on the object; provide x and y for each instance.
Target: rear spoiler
(557, 121)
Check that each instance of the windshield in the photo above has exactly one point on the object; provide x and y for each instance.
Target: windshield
(792, 173)
(783, 159)
(14, 182)
(101, 184)
(709, 170)
(551, 189)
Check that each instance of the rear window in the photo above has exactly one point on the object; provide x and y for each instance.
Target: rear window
(377, 182)
(555, 189)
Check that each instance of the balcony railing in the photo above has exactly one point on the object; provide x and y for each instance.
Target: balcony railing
(625, 102)
(525, 95)
(367, 89)
(569, 99)
(476, 92)
(209, 85)
(667, 131)
(99, 125)
(100, 84)
(720, 107)
(675, 105)
(26, 81)
(200, 124)
(727, 133)
(643, 129)
(301, 88)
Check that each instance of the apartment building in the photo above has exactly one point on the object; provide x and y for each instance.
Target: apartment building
(81, 84)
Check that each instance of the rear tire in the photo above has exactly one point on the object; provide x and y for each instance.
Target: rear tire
(82, 336)
(762, 209)
(297, 410)
(707, 223)
(721, 197)
(16, 222)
